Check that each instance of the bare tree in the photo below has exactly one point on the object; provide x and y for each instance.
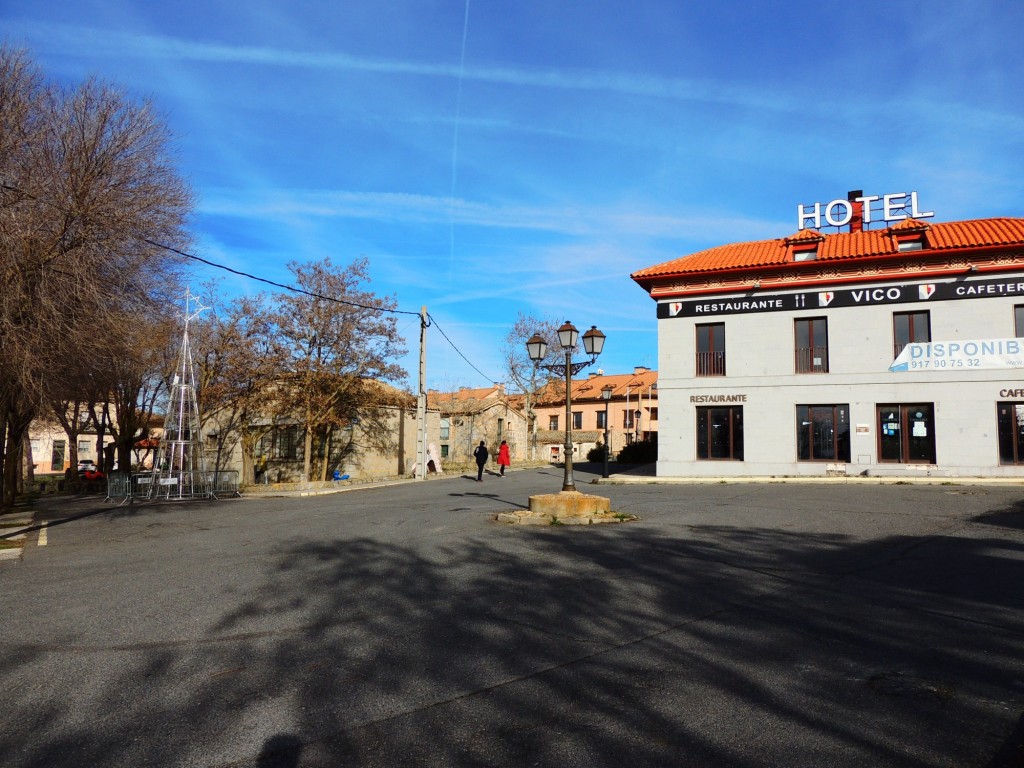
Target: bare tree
(524, 373)
(89, 197)
(334, 341)
(239, 365)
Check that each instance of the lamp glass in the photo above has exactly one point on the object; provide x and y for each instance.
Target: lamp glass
(536, 347)
(606, 392)
(567, 335)
(593, 341)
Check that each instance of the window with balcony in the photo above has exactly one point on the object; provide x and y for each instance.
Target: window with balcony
(909, 328)
(811, 349)
(711, 349)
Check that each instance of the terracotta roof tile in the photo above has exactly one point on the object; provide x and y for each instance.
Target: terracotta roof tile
(842, 245)
(589, 389)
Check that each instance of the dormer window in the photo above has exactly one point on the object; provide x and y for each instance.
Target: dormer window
(910, 235)
(804, 245)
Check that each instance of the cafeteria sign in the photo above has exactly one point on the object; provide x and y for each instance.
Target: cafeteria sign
(959, 355)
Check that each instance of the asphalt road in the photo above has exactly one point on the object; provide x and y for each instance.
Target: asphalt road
(732, 625)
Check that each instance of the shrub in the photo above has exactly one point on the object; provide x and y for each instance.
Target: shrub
(643, 452)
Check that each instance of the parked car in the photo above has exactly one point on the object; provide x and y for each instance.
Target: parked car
(86, 465)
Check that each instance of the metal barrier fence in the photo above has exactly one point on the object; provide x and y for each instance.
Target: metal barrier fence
(209, 484)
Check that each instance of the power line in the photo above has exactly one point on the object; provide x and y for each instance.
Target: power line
(283, 286)
(434, 322)
(276, 285)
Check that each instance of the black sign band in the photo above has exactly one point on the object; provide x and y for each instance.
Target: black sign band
(908, 293)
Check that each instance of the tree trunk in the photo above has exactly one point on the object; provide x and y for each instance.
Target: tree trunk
(30, 466)
(17, 429)
(308, 458)
(3, 452)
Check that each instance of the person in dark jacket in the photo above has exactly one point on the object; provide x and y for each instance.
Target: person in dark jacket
(480, 452)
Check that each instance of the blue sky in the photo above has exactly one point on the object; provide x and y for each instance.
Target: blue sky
(495, 157)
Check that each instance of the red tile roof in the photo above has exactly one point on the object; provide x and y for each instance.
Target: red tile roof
(590, 387)
(842, 246)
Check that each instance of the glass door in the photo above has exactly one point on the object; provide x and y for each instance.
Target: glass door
(906, 433)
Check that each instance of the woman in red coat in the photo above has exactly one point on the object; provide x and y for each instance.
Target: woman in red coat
(503, 457)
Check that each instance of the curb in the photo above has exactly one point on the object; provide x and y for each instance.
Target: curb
(857, 480)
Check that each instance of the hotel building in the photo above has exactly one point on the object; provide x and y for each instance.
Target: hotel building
(883, 351)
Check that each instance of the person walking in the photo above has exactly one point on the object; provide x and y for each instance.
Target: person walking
(480, 452)
(504, 458)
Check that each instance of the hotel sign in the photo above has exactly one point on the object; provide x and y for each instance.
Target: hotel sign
(838, 213)
(960, 355)
(907, 293)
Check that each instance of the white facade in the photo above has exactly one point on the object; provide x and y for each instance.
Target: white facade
(753, 417)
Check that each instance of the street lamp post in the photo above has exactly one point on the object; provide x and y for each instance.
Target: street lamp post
(593, 343)
(606, 395)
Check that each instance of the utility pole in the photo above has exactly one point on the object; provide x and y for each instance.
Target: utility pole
(421, 402)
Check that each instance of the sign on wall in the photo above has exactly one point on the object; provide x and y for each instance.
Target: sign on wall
(960, 355)
(849, 297)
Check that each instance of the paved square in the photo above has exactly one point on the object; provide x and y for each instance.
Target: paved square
(732, 625)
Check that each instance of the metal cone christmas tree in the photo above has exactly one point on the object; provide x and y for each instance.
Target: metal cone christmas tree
(181, 466)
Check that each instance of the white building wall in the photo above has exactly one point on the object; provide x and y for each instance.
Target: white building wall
(760, 366)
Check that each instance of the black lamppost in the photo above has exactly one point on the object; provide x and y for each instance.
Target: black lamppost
(606, 395)
(537, 348)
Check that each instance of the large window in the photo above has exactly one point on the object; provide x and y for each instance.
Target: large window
(1011, 432)
(711, 349)
(823, 433)
(289, 443)
(908, 328)
(577, 419)
(811, 349)
(446, 429)
(906, 433)
(553, 423)
(602, 421)
(720, 433)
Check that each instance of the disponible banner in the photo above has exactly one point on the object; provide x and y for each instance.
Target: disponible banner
(954, 355)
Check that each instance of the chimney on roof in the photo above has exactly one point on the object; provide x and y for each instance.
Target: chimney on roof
(640, 369)
(857, 220)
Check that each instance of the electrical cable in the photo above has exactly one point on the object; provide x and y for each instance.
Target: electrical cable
(283, 286)
(432, 320)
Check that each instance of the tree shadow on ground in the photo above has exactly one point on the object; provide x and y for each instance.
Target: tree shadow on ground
(624, 645)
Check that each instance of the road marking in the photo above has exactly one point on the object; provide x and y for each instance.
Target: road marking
(42, 536)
